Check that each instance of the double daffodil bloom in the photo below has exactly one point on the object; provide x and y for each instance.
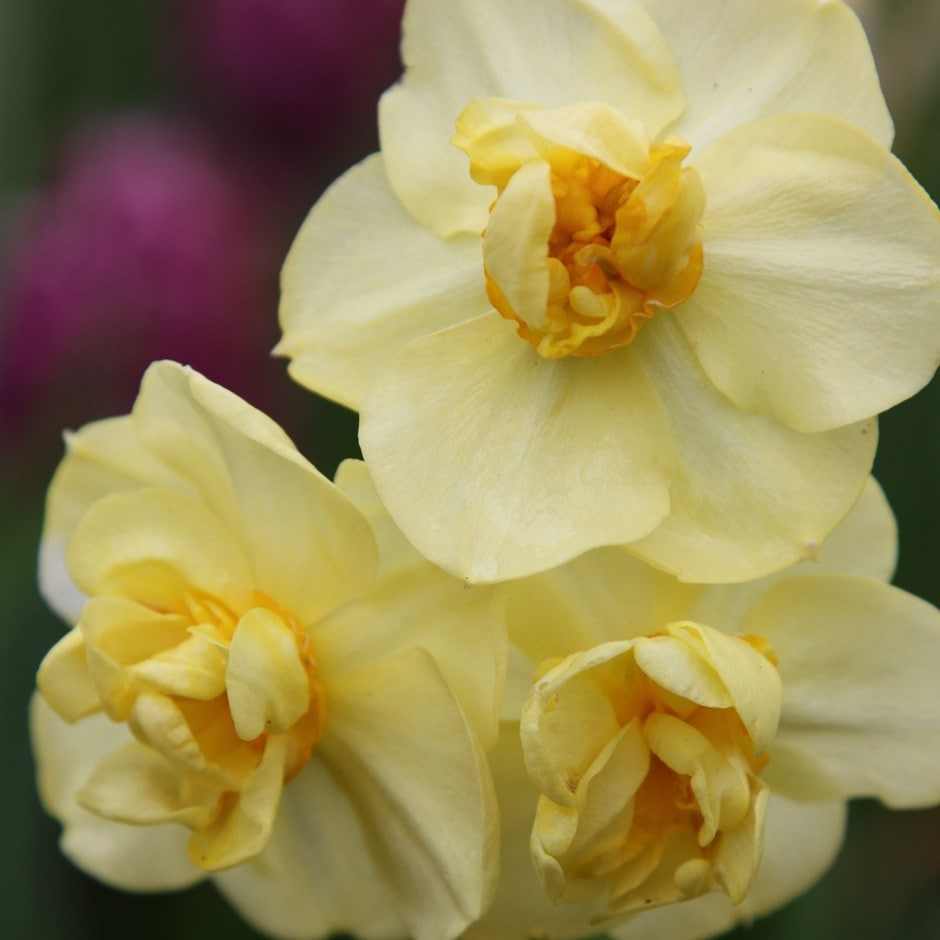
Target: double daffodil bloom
(624, 272)
(265, 683)
(685, 752)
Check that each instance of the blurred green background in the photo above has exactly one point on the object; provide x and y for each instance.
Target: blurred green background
(282, 130)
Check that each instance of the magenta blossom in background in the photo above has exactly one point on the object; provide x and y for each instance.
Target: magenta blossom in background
(307, 70)
(149, 246)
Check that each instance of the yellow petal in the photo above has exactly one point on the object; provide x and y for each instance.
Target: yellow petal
(606, 594)
(760, 59)
(515, 245)
(266, 682)
(317, 875)
(748, 495)
(244, 829)
(523, 463)
(571, 716)
(353, 295)
(721, 789)
(63, 679)
(740, 850)
(127, 857)
(155, 546)
(135, 785)
(306, 545)
(678, 667)
(822, 273)
(397, 741)
(595, 130)
(522, 908)
(860, 712)
(550, 52)
(460, 626)
(801, 841)
(120, 635)
(497, 143)
(103, 457)
(753, 684)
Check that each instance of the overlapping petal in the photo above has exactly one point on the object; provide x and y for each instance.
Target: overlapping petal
(389, 761)
(308, 881)
(762, 59)
(551, 52)
(748, 495)
(522, 463)
(247, 471)
(133, 858)
(353, 296)
(818, 300)
(861, 716)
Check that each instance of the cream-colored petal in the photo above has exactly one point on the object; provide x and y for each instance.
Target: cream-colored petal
(822, 273)
(521, 907)
(522, 463)
(363, 279)
(751, 681)
(122, 637)
(155, 547)
(596, 131)
(495, 141)
(103, 457)
(861, 715)
(265, 680)
(138, 786)
(571, 716)
(606, 594)
(316, 876)
(863, 543)
(133, 858)
(722, 790)
(194, 669)
(460, 626)
(680, 668)
(741, 61)
(515, 245)
(215, 757)
(396, 553)
(306, 545)
(244, 829)
(550, 52)
(737, 860)
(63, 679)
(590, 844)
(399, 745)
(748, 495)
(800, 842)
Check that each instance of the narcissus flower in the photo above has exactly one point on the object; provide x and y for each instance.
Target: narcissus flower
(701, 274)
(253, 689)
(697, 744)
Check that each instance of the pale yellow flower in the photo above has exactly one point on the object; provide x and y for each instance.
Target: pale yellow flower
(265, 683)
(701, 275)
(690, 749)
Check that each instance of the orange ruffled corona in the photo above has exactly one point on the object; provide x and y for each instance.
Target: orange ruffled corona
(625, 238)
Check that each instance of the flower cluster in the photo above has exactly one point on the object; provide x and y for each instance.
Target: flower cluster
(599, 636)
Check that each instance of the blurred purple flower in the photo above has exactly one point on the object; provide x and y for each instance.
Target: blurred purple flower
(307, 70)
(149, 246)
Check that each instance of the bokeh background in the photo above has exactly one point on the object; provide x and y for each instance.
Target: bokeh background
(156, 157)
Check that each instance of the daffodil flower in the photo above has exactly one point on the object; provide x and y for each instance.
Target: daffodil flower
(624, 272)
(265, 683)
(685, 752)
